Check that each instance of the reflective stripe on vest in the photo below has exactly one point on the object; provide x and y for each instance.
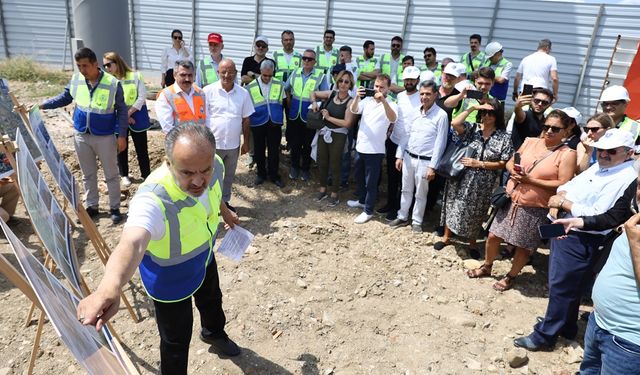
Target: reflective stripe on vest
(301, 96)
(266, 110)
(95, 111)
(174, 266)
(385, 67)
(282, 67)
(476, 61)
(181, 111)
(321, 58)
(366, 67)
(130, 87)
(207, 71)
(630, 126)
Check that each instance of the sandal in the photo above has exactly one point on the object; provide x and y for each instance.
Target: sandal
(483, 271)
(504, 284)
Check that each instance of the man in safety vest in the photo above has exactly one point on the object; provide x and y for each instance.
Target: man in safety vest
(367, 65)
(502, 68)
(302, 82)
(614, 102)
(287, 60)
(326, 55)
(267, 94)
(181, 102)
(100, 112)
(207, 72)
(391, 65)
(170, 233)
(431, 64)
(473, 59)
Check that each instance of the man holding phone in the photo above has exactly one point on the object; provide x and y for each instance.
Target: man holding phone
(529, 123)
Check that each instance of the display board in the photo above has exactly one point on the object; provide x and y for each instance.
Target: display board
(10, 121)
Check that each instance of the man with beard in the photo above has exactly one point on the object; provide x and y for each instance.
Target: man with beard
(287, 60)
(207, 70)
(529, 123)
(473, 59)
(367, 65)
(391, 65)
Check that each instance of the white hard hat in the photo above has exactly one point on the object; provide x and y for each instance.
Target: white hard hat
(492, 48)
(427, 75)
(613, 93)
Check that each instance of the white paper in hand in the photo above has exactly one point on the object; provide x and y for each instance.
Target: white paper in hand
(235, 243)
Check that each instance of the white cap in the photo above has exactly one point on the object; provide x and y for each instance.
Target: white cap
(427, 75)
(462, 69)
(261, 38)
(492, 48)
(537, 83)
(452, 69)
(613, 93)
(411, 72)
(615, 138)
(573, 113)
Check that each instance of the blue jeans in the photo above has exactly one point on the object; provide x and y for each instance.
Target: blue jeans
(367, 171)
(608, 354)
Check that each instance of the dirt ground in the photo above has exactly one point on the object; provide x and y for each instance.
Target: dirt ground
(315, 294)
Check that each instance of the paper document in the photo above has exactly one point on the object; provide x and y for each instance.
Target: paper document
(235, 243)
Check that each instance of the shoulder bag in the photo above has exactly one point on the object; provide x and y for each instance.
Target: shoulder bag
(450, 166)
(314, 119)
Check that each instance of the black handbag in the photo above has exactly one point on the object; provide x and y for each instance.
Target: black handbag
(450, 165)
(315, 120)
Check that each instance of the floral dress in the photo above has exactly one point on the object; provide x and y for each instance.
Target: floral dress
(466, 200)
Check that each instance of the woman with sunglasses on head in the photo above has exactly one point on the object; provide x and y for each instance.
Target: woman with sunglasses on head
(170, 55)
(135, 99)
(545, 163)
(466, 200)
(333, 137)
(596, 126)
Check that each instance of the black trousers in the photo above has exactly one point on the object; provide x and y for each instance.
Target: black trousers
(394, 176)
(175, 322)
(300, 138)
(142, 153)
(267, 137)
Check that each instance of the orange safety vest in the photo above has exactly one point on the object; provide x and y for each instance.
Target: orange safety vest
(181, 110)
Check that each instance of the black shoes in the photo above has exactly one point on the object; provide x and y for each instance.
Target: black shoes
(527, 343)
(259, 180)
(92, 211)
(222, 345)
(116, 217)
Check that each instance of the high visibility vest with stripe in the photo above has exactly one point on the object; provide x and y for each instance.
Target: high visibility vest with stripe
(174, 267)
(385, 68)
(208, 72)
(284, 69)
(476, 62)
(630, 126)
(499, 90)
(265, 111)
(321, 58)
(365, 66)
(130, 89)
(95, 112)
(301, 95)
(437, 72)
(181, 111)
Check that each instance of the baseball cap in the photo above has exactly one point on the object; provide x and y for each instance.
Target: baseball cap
(492, 48)
(613, 93)
(427, 75)
(615, 138)
(262, 38)
(452, 69)
(411, 72)
(214, 38)
(573, 113)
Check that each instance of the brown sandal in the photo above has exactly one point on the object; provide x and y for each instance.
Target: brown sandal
(483, 271)
(504, 284)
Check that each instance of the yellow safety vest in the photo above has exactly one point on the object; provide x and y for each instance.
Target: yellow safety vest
(365, 66)
(284, 68)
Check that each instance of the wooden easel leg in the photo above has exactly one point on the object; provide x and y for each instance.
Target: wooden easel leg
(36, 343)
(27, 321)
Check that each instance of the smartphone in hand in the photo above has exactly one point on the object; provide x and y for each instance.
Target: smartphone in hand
(551, 230)
(475, 94)
(527, 89)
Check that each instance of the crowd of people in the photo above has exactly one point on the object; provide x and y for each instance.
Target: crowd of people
(373, 120)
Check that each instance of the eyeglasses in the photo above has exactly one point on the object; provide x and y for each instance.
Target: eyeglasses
(592, 129)
(554, 129)
(486, 112)
(612, 151)
(345, 81)
(541, 101)
(394, 45)
(307, 58)
(107, 65)
(177, 37)
(261, 45)
(613, 104)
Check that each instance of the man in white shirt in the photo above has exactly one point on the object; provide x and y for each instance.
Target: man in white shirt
(378, 112)
(539, 64)
(592, 192)
(408, 103)
(228, 107)
(424, 140)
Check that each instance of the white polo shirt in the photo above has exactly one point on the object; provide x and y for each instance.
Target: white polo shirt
(225, 111)
(373, 125)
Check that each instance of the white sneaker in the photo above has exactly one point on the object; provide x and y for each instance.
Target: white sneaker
(362, 218)
(355, 204)
(125, 181)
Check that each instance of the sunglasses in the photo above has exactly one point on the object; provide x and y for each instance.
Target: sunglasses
(344, 81)
(177, 37)
(486, 112)
(107, 65)
(306, 58)
(612, 151)
(541, 101)
(396, 45)
(261, 45)
(613, 104)
(554, 129)
(592, 129)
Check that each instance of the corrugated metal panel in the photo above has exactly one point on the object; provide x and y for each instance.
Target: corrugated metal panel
(36, 28)
(153, 22)
(430, 25)
(305, 18)
(236, 24)
(568, 26)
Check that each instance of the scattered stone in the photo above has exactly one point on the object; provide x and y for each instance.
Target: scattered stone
(470, 264)
(477, 307)
(517, 357)
(362, 293)
(463, 320)
(201, 351)
(5, 371)
(574, 353)
(492, 368)
(519, 332)
(474, 365)
(327, 319)
(300, 283)
(328, 371)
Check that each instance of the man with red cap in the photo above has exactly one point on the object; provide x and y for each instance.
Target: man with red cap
(207, 69)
